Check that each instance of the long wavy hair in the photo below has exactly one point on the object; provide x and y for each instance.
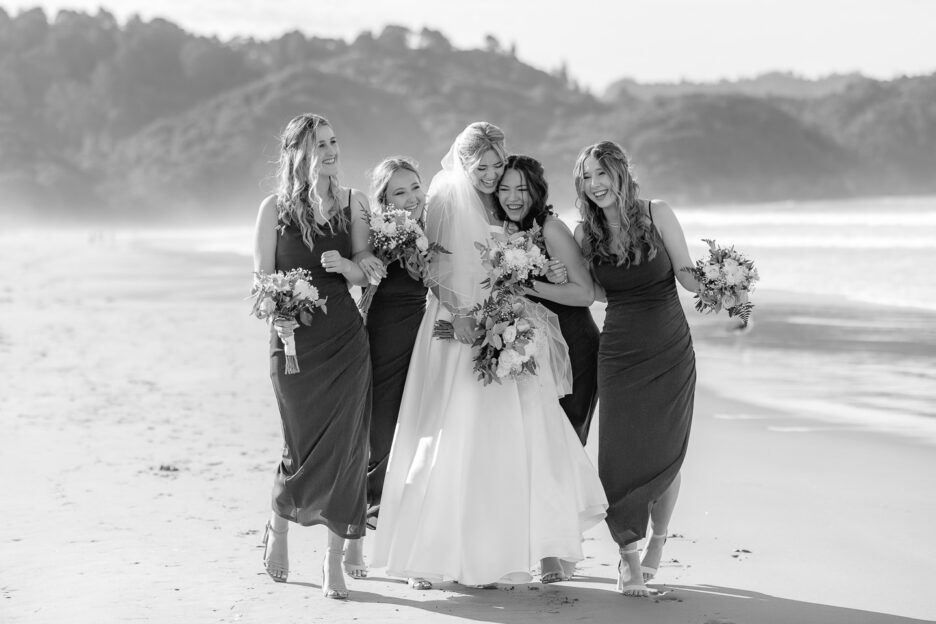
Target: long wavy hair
(534, 176)
(382, 173)
(297, 172)
(476, 139)
(636, 242)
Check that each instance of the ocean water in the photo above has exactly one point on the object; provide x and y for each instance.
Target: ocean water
(878, 250)
(852, 368)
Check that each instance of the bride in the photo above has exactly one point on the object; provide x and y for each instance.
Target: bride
(483, 482)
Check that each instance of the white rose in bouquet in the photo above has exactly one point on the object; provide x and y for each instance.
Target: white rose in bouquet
(510, 334)
(509, 362)
(305, 290)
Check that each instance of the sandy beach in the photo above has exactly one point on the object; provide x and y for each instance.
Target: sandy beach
(140, 437)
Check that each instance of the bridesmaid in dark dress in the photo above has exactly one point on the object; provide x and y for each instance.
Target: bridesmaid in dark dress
(567, 290)
(315, 224)
(646, 363)
(393, 320)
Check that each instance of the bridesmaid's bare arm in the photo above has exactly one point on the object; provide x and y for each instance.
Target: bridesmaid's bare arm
(599, 289)
(675, 242)
(265, 253)
(360, 234)
(265, 236)
(580, 288)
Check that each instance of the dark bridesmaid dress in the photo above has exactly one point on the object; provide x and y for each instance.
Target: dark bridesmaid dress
(325, 408)
(646, 389)
(581, 335)
(392, 324)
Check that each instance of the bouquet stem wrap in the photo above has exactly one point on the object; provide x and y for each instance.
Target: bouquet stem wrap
(289, 348)
(367, 298)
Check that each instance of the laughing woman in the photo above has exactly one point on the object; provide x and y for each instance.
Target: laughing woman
(314, 223)
(646, 363)
(483, 482)
(567, 290)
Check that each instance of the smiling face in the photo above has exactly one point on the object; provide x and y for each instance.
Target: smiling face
(597, 183)
(514, 195)
(324, 148)
(487, 172)
(404, 190)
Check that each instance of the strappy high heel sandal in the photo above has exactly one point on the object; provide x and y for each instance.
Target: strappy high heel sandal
(277, 570)
(635, 590)
(354, 570)
(648, 571)
(328, 589)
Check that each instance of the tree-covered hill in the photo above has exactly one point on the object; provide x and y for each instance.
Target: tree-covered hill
(146, 120)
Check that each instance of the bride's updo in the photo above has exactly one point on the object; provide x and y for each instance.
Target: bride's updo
(475, 140)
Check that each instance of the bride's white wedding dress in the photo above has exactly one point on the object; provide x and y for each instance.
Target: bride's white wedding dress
(482, 481)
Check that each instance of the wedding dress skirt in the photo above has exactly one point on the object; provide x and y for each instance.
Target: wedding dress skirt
(482, 481)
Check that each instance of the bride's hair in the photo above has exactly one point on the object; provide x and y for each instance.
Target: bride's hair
(297, 196)
(636, 242)
(384, 171)
(534, 177)
(476, 139)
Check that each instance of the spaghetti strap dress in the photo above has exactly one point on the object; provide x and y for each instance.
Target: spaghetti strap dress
(646, 389)
(392, 324)
(325, 407)
(582, 336)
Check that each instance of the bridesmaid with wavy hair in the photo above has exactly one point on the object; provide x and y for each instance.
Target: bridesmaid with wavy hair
(646, 363)
(314, 223)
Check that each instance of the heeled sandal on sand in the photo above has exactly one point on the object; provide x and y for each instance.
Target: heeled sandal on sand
(354, 570)
(553, 575)
(278, 571)
(650, 572)
(634, 590)
(335, 593)
(418, 583)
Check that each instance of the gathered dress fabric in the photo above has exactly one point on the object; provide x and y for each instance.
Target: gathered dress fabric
(646, 389)
(325, 407)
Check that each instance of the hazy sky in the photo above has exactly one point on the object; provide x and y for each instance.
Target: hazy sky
(600, 40)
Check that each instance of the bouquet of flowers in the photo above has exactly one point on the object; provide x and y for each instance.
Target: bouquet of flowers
(397, 236)
(505, 348)
(726, 278)
(286, 295)
(512, 263)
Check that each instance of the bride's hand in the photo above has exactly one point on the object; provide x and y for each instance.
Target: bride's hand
(465, 329)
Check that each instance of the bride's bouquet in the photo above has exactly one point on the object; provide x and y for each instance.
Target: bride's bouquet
(286, 295)
(726, 278)
(506, 346)
(397, 237)
(512, 263)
